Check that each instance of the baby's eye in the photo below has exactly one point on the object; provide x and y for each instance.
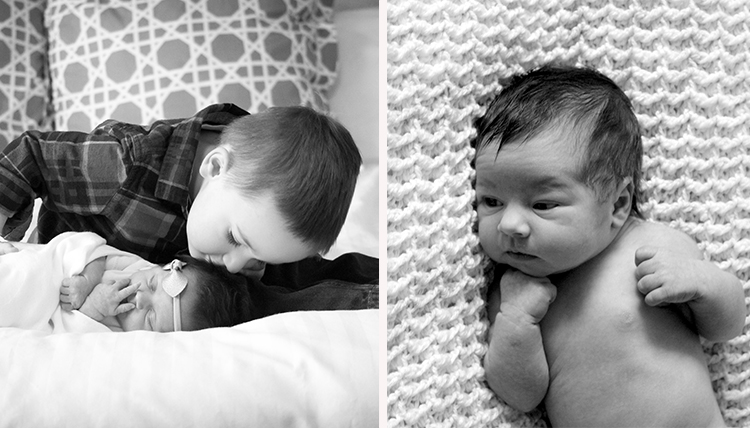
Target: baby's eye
(490, 202)
(545, 206)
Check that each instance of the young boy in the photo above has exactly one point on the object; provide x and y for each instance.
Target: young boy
(127, 292)
(599, 311)
(235, 189)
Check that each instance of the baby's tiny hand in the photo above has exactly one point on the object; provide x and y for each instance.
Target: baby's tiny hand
(665, 277)
(74, 291)
(525, 296)
(106, 299)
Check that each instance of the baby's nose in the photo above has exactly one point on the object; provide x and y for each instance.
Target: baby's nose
(513, 223)
(139, 297)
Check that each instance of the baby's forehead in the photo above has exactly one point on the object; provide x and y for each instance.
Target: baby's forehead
(566, 137)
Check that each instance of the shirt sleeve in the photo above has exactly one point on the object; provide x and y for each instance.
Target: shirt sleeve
(71, 171)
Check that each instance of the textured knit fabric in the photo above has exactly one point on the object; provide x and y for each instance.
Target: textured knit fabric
(686, 67)
(127, 183)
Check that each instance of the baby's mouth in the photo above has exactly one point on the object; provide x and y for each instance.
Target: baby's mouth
(519, 256)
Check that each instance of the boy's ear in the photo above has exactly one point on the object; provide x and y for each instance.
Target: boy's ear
(623, 202)
(215, 162)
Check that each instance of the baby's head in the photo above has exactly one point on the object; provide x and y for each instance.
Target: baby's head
(276, 190)
(211, 297)
(558, 160)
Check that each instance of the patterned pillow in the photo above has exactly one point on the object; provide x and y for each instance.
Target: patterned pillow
(23, 68)
(140, 61)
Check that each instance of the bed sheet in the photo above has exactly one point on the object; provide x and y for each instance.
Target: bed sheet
(300, 369)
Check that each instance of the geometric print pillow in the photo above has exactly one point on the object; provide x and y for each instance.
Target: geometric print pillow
(141, 61)
(24, 88)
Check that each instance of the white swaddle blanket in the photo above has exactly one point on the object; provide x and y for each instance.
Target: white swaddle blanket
(30, 282)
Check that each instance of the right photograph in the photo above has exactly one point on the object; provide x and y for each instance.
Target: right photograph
(568, 213)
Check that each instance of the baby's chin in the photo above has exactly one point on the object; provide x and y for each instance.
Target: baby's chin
(536, 270)
(537, 273)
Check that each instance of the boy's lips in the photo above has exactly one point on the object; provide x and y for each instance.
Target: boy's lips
(258, 265)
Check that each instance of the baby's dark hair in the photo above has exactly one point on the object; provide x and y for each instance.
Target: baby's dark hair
(308, 159)
(580, 98)
(222, 297)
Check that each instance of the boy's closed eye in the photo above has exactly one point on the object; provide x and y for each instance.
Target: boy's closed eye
(232, 240)
(240, 243)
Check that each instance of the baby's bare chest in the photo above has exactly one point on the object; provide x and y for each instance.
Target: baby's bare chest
(607, 349)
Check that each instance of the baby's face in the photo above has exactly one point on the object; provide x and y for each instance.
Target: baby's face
(534, 214)
(154, 307)
(243, 234)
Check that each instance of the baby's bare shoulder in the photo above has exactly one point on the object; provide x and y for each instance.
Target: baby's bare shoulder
(642, 233)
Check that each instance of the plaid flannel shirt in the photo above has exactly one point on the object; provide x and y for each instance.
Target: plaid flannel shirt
(127, 183)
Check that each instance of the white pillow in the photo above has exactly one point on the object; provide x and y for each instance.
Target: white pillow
(300, 369)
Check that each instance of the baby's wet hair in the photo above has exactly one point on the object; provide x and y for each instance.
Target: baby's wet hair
(579, 100)
(222, 297)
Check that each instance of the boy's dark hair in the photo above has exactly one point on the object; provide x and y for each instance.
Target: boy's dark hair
(222, 297)
(581, 98)
(308, 160)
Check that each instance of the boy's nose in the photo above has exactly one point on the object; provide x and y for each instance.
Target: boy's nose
(514, 223)
(234, 263)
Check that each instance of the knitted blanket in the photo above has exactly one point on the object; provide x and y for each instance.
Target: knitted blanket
(685, 64)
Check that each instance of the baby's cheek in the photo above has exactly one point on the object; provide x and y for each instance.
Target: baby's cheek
(488, 239)
(131, 320)
(564, 251)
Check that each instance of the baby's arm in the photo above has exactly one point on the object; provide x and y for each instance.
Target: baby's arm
(75, 289)
(515, 364)
(106, 299)
(675, 273)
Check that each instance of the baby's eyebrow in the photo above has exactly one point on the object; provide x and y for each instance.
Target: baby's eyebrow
(549, 182)
(487, 182)
(543, 181)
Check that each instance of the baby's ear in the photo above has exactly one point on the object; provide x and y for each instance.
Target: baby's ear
(623, 202)
(215, 162)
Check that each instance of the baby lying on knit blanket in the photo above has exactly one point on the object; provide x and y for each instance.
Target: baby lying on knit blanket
(118, 291)
(599, 312)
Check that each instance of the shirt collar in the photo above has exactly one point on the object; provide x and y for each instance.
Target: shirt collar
(174, 175)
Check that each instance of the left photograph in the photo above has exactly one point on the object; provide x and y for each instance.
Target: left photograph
(189, 213)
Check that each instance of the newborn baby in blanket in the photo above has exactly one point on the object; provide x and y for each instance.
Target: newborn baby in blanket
(128, 293)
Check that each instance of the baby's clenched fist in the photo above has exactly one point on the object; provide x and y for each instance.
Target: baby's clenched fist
(525, 297)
